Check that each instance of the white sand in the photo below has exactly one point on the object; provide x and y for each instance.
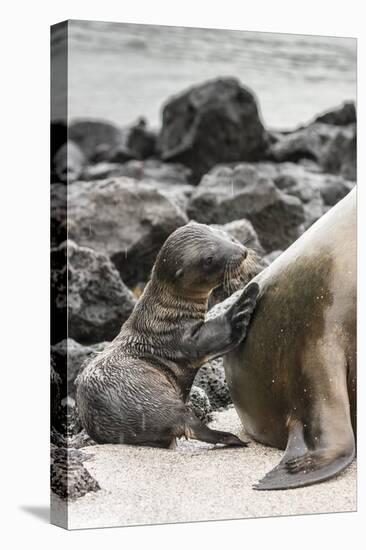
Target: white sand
(196, 482)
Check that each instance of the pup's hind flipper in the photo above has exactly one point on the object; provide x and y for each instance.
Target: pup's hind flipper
(195, 429)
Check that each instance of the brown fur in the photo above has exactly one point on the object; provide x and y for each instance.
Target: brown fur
(136, 390)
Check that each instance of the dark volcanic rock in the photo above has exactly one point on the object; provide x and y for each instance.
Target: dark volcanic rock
(69, 477)
(316, 190)
(227, 194)
(97, 300)
(334, 189)
(65, 423)
(71, 424)
(151, 169)
(58, 135)
(178, 194)
(159, 171)
(200, 404)
(302, 187)
(58, 213)
(68, 162)
(223, 195)
(103, 170)
(172, 180)
(78, 441)
(342, 116)
(308, 142)
(211, 379)
(213, 123)
(56, 395)
(119, 154)
(126, 219)
(340, 155)
(69, 356)
(332, 147)
(91, 134)
(142, 141)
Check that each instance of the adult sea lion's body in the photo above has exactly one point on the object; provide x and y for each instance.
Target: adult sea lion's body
(293, 379)
(136, 391)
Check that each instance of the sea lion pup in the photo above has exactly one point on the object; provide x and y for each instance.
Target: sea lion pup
(135, 392)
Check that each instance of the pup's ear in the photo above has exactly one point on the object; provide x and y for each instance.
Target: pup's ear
(179, 273)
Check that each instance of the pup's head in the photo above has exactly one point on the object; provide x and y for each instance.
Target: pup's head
(197, 258)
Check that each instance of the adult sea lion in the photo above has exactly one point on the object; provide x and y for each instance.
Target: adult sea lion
(293, 379)
(135, 392)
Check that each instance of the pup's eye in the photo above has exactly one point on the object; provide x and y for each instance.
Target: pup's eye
(209, 260)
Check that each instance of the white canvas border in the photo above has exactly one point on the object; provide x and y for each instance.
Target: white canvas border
(25, 267)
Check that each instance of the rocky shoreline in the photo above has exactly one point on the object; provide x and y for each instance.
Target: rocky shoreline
(117, 194)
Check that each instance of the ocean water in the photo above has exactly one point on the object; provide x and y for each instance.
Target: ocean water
(119, 72)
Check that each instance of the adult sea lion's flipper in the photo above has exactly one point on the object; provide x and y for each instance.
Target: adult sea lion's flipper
(301, 466)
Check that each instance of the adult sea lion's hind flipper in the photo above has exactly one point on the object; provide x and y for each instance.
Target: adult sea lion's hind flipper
(300, 467)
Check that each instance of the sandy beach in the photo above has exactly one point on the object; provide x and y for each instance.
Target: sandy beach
(196, 482)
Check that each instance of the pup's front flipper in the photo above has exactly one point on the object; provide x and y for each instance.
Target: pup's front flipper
(241, 311)
(222, 334)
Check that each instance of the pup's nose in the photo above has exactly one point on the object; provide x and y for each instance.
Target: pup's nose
(245, 253)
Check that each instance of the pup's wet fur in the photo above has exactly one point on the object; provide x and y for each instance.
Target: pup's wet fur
(135, 392)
